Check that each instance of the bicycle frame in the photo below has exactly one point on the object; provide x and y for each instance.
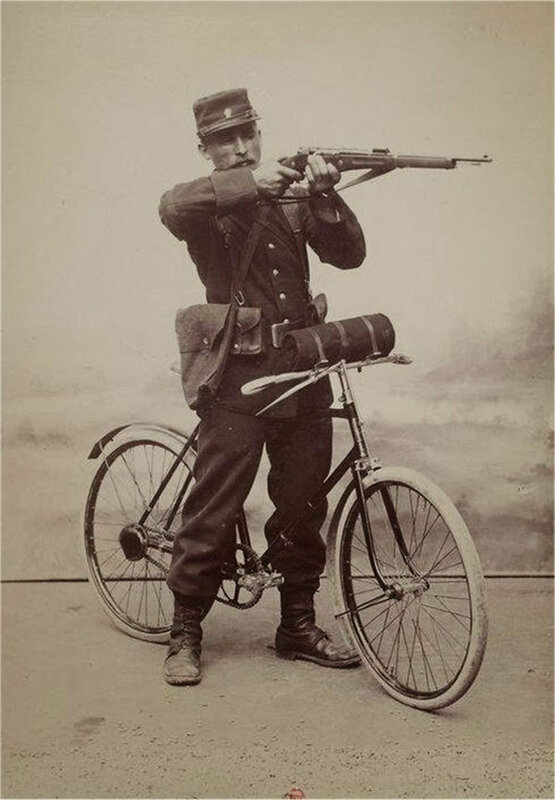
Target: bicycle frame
(395, 542)
(358, 460)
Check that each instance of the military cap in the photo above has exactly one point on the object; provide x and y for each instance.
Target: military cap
(223, 110)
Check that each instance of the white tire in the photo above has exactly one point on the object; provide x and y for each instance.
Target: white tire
(423, 640)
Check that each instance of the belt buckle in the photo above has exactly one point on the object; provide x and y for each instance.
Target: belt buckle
(277, 329)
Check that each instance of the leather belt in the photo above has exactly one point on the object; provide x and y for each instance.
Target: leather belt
(279, 329)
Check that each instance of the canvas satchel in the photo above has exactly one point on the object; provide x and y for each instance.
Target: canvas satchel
(208, 332)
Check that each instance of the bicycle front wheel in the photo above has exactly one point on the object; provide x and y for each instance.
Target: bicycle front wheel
(128, 537)
(416, 612)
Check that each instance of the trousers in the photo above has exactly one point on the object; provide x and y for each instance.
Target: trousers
(230, 447)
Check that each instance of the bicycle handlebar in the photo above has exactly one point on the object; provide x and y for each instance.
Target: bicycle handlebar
(258, 384)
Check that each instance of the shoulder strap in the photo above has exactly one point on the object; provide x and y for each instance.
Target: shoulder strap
(293, 217)
(292, 214)
(240, 266)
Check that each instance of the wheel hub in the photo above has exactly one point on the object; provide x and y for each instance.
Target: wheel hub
(133, 541)
(415, 586)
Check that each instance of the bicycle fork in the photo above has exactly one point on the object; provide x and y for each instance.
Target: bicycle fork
(362, 466)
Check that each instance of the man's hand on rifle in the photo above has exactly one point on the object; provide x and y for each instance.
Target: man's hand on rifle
(273, 178)
(321, 176)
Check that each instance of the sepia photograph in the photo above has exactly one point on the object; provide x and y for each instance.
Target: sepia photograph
(277, 368)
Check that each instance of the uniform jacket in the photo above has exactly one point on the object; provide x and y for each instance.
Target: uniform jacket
(276, 281)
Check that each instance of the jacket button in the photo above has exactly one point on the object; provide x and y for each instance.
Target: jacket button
(205, 340)
(271, 246)
(275, 272)
(282, 296)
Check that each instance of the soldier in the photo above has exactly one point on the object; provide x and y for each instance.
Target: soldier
(297, 433)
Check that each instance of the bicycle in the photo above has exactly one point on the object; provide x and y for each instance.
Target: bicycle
(406, 579)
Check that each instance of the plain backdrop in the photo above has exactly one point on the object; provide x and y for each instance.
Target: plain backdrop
(97, 124)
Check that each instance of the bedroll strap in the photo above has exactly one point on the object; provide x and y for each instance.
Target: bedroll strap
(372, 332)
(343, 337)
(320, 347)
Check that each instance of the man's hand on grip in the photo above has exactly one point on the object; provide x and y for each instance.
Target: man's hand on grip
(273, 178)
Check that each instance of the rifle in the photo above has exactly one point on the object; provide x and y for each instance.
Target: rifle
(377, 161)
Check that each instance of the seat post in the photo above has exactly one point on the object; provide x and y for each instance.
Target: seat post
(355, 422)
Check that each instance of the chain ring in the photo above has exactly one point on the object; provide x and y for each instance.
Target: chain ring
(255, 596)
(249, 553)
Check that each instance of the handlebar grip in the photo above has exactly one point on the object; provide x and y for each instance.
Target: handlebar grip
(257, 385)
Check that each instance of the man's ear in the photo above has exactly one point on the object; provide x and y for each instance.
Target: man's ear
(203, 151)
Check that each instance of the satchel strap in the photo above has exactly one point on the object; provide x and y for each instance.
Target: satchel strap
(292, 214)
(241, 266)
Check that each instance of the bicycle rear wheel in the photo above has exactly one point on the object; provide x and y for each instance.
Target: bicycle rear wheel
(424, 636)
(128, 559)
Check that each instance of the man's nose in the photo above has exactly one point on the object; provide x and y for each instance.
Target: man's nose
(240, 145)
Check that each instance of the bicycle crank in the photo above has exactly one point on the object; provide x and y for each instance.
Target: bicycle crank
(248, 577)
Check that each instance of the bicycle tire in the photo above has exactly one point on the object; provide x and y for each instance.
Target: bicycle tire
(424, 649)
(134, 594)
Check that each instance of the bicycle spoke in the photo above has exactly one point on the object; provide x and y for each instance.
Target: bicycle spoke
(410, 671)
(436, 647)
(133, 478)
(428, 671)
(443, 558)
(456, 617)
(116, 492)
(378, 646)
(450, 638)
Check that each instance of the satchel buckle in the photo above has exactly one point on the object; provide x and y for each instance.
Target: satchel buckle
(239, 297)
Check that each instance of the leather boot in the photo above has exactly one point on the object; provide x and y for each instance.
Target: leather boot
(299, 637)
(182, 664)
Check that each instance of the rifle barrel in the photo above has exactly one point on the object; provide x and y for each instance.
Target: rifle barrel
(379, 160)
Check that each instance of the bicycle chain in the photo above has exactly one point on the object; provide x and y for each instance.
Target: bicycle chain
(161, 566)
(226, 601)
(235, 604)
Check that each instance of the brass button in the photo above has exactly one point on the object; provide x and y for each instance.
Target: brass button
(275, 272)
(205, 340)
(271, 246)
(282, 296)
